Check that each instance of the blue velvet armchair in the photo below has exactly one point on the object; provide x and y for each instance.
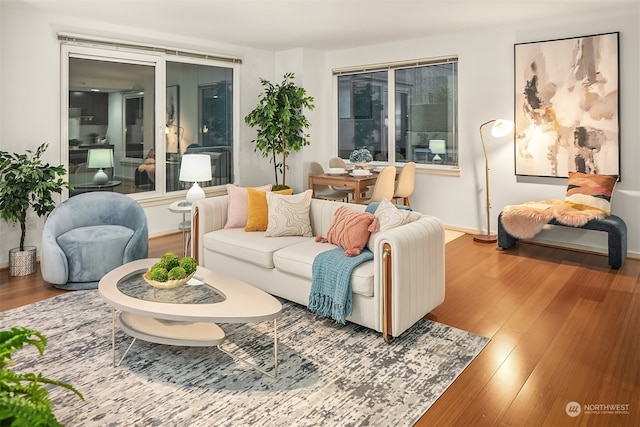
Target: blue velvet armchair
(90, 234)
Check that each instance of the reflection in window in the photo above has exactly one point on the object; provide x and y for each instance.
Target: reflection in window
(199, 120)
(362, 113)
(134, 125)
(112, 105)
(426, 117)
(424, 126)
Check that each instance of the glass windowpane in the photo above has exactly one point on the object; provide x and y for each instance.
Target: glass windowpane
(362, 113)
(199, 120)
(111, 106)
(425, 116)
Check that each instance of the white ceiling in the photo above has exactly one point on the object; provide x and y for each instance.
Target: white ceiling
(318, 24)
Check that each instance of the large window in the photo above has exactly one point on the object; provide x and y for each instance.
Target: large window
(134, 115)
(423, 126)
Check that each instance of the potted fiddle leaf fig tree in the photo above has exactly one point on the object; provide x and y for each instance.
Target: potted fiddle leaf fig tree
(279, 117)
(26, 182)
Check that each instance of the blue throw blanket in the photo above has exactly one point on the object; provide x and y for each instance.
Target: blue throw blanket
(331, 294)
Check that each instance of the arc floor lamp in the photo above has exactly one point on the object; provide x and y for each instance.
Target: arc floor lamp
(501, 127)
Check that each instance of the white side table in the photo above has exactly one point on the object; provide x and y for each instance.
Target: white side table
(183, 207)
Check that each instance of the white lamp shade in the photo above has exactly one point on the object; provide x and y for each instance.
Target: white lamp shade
(195, 168)
(438, 146)
(501, 127)
(98, 158)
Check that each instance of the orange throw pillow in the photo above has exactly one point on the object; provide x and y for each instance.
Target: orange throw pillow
(351, 230)
(238, 205)
(258, 209)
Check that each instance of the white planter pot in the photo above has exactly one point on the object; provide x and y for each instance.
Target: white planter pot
(22, 263)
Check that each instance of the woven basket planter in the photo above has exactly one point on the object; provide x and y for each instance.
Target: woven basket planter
(22, 263)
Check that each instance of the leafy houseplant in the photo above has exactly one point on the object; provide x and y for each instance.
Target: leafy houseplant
(26, 182)
(24, 400)
(281, 123)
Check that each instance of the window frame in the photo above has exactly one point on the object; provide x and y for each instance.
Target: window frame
(390, 137)
(107, 51)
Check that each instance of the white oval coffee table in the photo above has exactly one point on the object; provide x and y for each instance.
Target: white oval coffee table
(186, 315)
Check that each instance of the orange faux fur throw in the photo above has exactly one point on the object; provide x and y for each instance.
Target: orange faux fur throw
(351, 230)
(526, 220)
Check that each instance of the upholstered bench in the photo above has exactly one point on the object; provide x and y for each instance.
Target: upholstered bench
(612, 224)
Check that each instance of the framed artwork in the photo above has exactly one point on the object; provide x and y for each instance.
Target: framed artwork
(566, 106)
(172, 120)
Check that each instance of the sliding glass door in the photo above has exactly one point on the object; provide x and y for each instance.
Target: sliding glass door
(110, 123)
(132, 116)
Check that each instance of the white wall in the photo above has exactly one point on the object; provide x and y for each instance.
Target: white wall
(30, 110)
(486, 92)
(30, 96)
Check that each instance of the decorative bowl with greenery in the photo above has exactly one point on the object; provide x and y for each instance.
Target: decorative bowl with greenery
(24, 399)
(171, 271)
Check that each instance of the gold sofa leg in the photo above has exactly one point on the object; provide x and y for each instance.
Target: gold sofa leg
(386, 293)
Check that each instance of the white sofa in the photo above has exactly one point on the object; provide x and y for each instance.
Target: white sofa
(408, 259)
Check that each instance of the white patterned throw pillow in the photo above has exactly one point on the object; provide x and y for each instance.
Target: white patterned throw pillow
(389, 216)
(289, 215)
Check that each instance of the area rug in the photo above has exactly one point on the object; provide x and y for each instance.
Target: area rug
(329, 374)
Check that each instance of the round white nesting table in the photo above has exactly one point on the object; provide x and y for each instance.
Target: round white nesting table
(183, 207)
(186, 315)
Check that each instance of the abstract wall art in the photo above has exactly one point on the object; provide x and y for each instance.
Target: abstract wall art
(566, 106)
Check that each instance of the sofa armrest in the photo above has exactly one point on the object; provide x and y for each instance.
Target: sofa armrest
(207, 215)
(416, 272)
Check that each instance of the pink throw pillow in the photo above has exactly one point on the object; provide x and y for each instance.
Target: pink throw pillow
(238, 205)
(351, 230)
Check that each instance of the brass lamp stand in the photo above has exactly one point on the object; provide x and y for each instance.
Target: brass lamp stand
(500, 128)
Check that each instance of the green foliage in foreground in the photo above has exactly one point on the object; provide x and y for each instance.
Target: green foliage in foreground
(24, 400)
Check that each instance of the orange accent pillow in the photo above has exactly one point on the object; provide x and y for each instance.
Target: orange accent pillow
(238, 205)
(351, 229)
(258, 209)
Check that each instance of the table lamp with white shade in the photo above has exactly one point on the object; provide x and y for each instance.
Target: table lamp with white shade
(437, 147)
(195, 168)
(100, 158)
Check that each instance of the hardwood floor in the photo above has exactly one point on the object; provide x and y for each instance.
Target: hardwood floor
(564, 327)
(18, 291)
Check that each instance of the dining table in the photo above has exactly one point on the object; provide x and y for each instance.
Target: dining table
(345, 179)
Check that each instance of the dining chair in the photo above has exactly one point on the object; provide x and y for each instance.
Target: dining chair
(325, 191)
(406, 182)
(384, 186)
(337, 162)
